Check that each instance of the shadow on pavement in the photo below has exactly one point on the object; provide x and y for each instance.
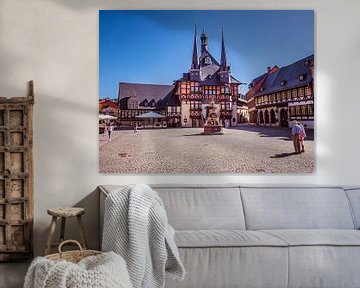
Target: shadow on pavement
(282, 155)
(202, 134)
(281, 132)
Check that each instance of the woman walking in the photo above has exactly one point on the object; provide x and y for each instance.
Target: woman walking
(295, 133)
(110, 129)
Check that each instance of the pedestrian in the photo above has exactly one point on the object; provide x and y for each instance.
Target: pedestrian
(110, 129)
(105, 130)
(302, 137)
(135, 127)
(295, 132)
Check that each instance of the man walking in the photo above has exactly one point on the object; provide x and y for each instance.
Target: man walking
(302, 137)
(295, 132)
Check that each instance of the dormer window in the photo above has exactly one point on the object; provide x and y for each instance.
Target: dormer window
(283, 83)
(207, 60)
(306, 62)
(302, 77)
(262, 88)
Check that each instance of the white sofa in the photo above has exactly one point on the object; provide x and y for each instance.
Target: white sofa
(242, 236)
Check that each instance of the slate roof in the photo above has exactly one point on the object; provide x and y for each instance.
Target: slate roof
(171, 99)
(145, 93)
(257, 79)
(209, 72)
(290, 74)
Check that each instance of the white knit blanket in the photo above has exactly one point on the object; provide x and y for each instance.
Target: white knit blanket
(136, 227)
(104, 271)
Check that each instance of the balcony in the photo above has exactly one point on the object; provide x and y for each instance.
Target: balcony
(173, 114)
(225, 113)
(195, 113)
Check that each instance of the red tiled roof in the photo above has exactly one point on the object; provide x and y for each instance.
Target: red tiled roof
(104, 103)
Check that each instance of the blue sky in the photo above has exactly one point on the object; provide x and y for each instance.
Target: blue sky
(156, 46)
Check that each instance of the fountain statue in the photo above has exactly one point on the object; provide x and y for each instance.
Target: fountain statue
(212, 124)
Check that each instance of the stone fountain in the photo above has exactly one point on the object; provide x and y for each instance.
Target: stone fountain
(212, 124)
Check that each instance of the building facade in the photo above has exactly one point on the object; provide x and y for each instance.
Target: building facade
(185, 103)
(136, 99)
(254, 87)
(282, 95)
(207, 82)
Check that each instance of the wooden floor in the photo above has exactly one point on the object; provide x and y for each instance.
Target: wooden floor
(12, 274)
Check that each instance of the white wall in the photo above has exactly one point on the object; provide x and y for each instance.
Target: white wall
(55, 43)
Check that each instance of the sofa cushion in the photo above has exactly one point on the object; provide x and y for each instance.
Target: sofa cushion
(354, 198)
(226, 238)
(315, 237)
(192, 208)
(220, 267)
(199, 207)
(296, 208)
(324, 266)
(327, 258)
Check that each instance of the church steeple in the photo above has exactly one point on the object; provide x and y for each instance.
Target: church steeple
(223, 63)
(195, 58)
(194, 72)
(224, 68)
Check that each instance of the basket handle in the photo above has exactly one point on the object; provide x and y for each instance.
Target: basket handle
(69, 241)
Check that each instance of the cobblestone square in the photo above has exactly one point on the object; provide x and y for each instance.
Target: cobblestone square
(245, 149)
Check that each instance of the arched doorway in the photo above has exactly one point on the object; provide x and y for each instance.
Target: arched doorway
(267, 117)
(254, 117)
(284, 118)
(261, 118)
(272, 116)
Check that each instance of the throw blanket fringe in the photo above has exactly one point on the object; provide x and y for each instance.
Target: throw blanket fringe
(136, 227)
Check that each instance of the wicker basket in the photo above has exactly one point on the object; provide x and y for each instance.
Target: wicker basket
(72, 256)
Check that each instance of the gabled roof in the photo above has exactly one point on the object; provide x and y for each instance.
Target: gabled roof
(234, 80)
(108, 103)
(208, 69)
(170, 100)
(150, 93)
(288, 75)
(257, 82)
(209, 72)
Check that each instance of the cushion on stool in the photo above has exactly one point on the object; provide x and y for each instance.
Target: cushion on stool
(66, 211)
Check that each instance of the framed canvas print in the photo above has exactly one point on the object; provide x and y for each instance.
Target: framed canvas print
(206, 91)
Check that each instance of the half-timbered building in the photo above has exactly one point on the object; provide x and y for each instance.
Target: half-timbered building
(285, 95)
(136, 99)
(206, 82)
(185, 103)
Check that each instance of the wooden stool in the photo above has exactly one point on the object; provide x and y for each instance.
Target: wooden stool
(64, 213)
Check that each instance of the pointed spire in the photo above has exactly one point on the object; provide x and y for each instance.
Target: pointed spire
(195, 58)
(223, 63)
